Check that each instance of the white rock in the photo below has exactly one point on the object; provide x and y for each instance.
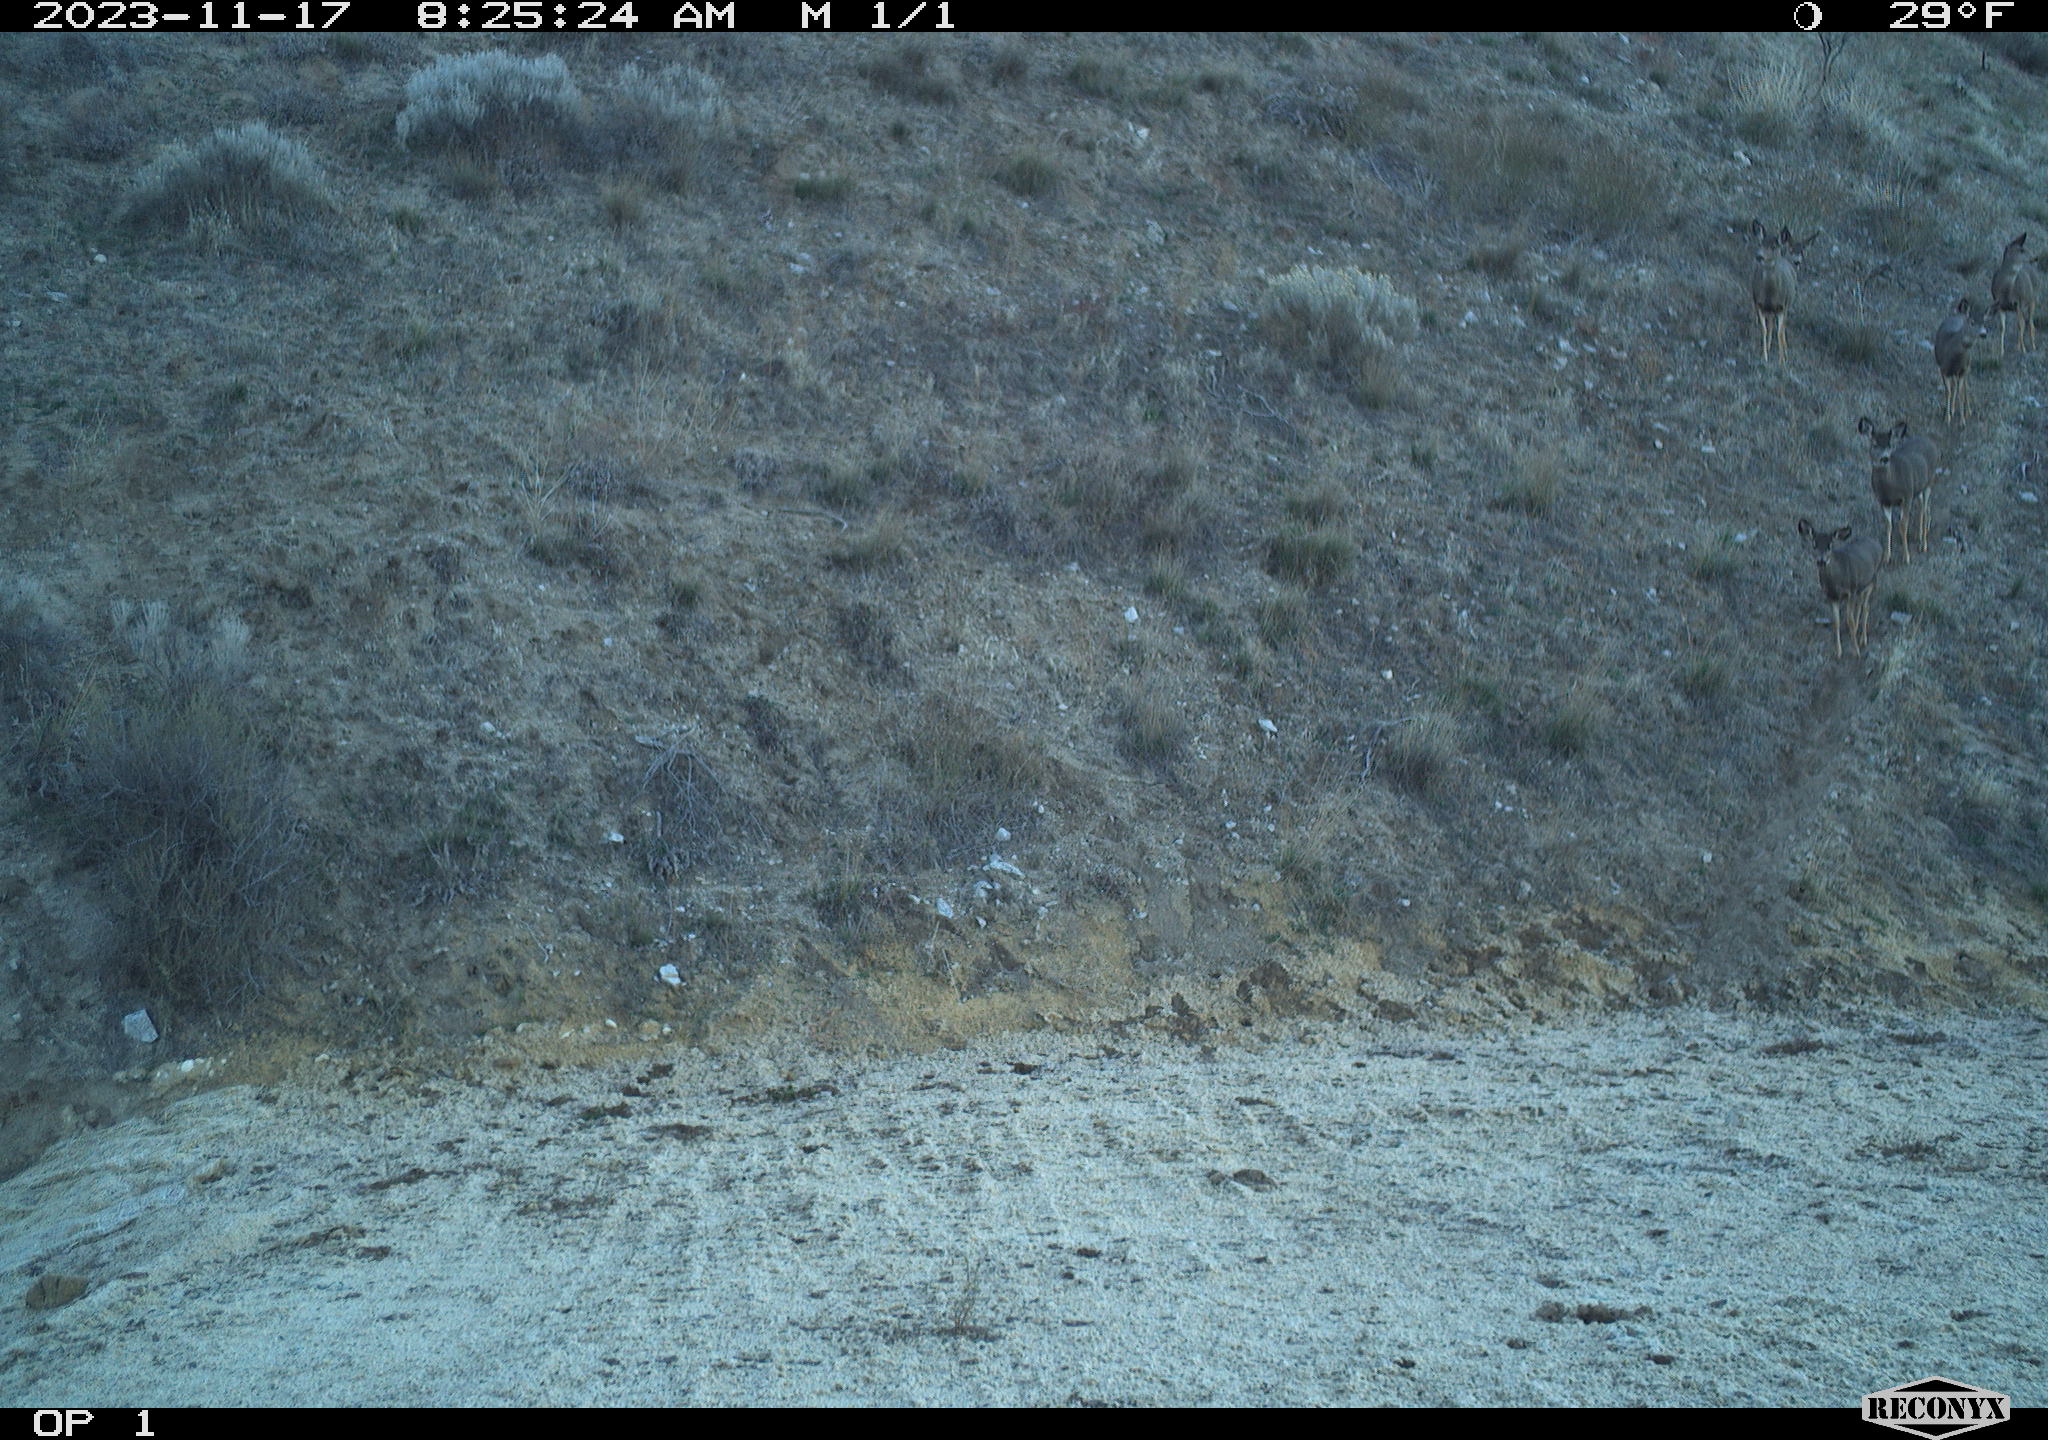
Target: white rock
(670, 975)
(137, 1027)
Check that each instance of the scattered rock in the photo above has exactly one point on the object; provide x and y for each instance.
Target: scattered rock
(54, 1292)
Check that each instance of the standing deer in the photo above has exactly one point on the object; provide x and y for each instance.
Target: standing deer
(1774, 279)
(1848, 575)
(1901, 470)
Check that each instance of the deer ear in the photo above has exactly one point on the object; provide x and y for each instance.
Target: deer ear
(1864, 427)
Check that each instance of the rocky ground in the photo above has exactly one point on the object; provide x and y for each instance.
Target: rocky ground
(1676, 1207)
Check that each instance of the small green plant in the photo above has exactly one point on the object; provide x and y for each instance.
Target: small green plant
(466, 850)
(1377, 381)
(582, 538)
(471, 179)
(649, 331)
(1860, 343)
(845, 485)
(1481, 695)
(1324, 904)
(847, 904)
(1168, 580)
(33, 656)
(1616, 188)
(1500, 258)
(868, 636)
(1771, 101)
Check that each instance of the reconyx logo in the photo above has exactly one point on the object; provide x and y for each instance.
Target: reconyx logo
(1935, 1407)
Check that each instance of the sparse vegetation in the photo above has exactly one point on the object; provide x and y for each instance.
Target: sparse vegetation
(465, 851)
(1314, 558)
(1337, 319)
(1030, 173)
(1569, 729)
(822, 188)
(913, 72)
(490, 103)
(1704, 678)
(687, 818)
(968, 775)
(875, 547)
(664, 124)
(166, 782)
(1418, 752)
(1097, 78)
(1717, 562)
(1150, 729)
(245, 175)
(1533, 486)
(1325, 903)
(1284, 617)
(1771, 100)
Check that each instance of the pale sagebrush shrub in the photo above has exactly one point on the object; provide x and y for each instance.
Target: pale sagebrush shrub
(663, 122)
(1337, 318)
(489, 102)
(247, 174)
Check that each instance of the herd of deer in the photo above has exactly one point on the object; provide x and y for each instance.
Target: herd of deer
(1902, 464)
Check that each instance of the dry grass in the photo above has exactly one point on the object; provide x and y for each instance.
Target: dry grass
(247, 175)
(1418, 753)
(1771, 99)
